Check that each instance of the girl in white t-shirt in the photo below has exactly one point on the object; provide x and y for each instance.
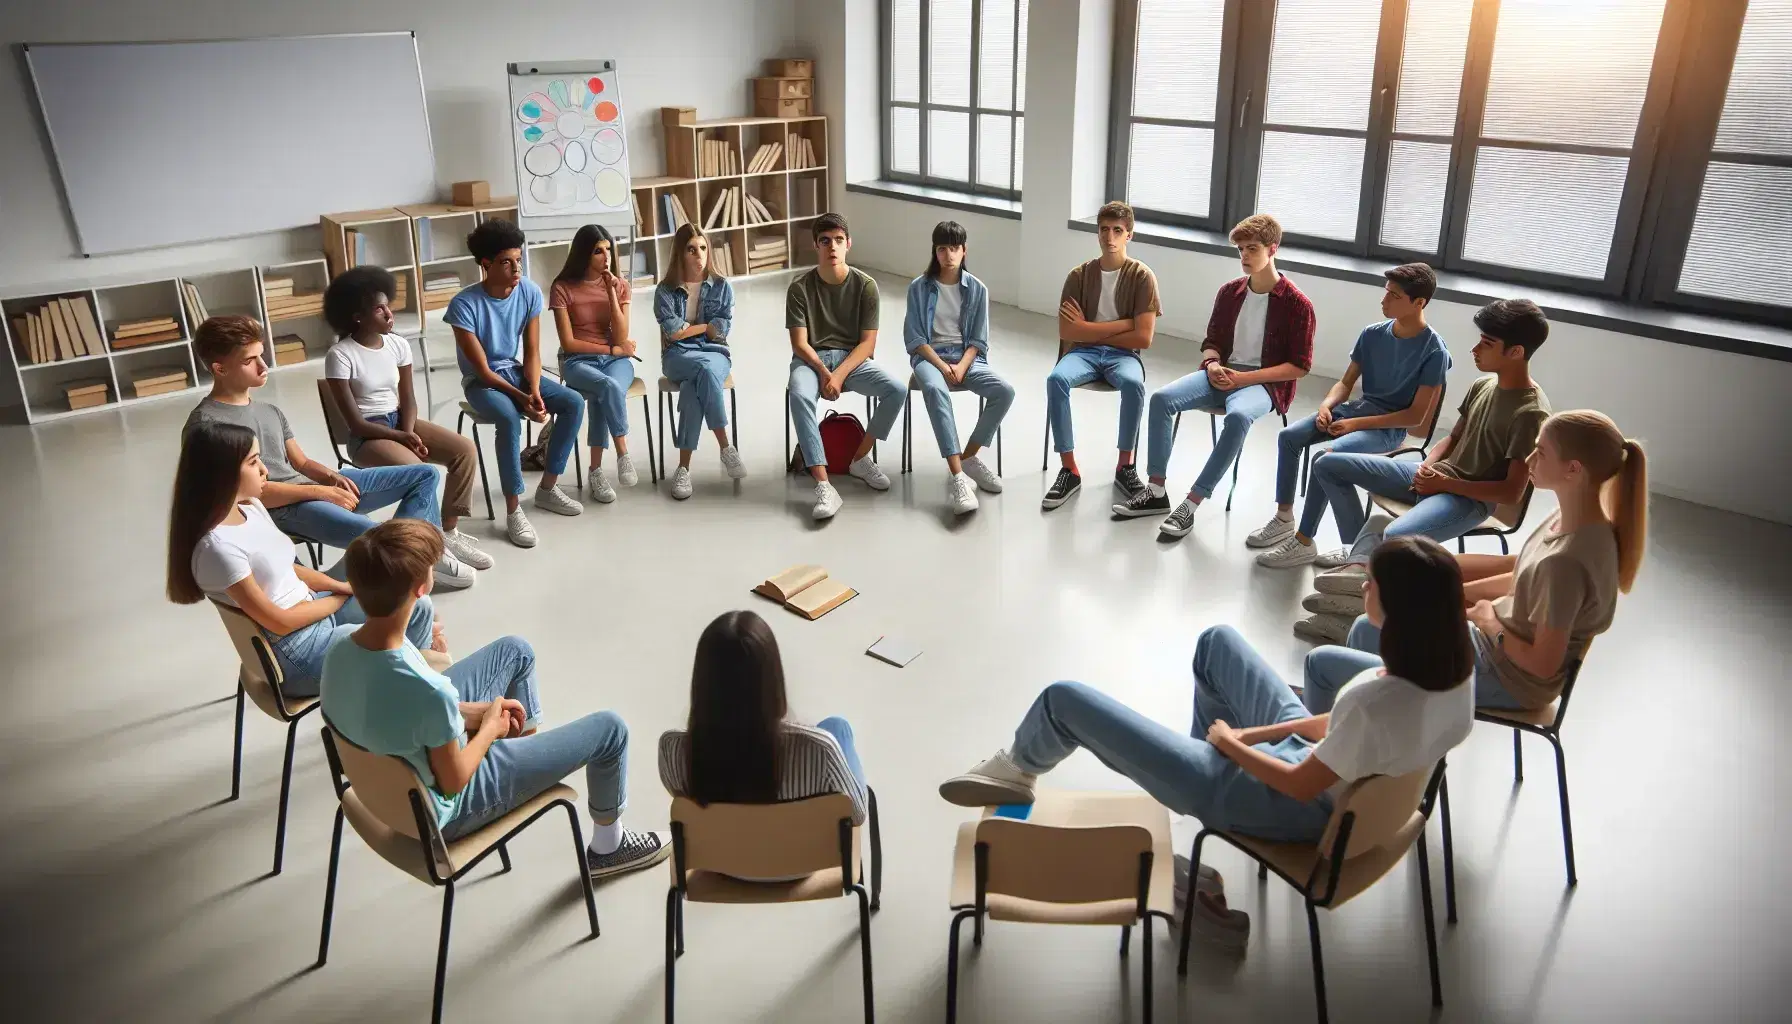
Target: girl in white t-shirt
(1255, 761)
(223, 545)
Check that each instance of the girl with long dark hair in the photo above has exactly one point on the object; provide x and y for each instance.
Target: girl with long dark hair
(695, 309)
(590, 303)
(223, 545)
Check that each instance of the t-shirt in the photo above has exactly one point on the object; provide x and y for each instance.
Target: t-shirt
(1247, 330)
(587, 305)
(392, 702)
(372, 373)
(1567, 581)
(1497, 426)
(254, 547)
(948, 315)
(835, 314)
(497, 323)
(269, 424)
(1393, 368)
(1106, 310)
(1384, 725)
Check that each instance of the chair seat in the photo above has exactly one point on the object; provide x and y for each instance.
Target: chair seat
(670, 386)
(1097, 385)
(1296, 860)
(1400, 508)
(1059, 808)
(1542, 717)
(472, 413)
(914, 384)
(406, 853)
(714, 887)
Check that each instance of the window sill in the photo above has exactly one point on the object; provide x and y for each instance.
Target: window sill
(951, 200)
(1740, 337)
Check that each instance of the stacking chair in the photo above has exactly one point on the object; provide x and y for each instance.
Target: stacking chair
(811, 841)
(1213, 431)
(335, 422)
(1505, 521)
(1371, 828)
(794, 463)
(1424, 432)
(669, 407)
(908, 434)
(467, 412)
(1075, 858)
(386, 802)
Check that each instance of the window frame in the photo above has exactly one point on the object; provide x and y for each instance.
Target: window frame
(923, 106)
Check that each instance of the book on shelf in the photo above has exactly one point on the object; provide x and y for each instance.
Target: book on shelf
(274, 287)
(770, 244)
(440, 280)
(139, 340)
(640, 221)
(87, 393)
(426, 241)
(807, 590)
(166, 388)
(158, 381)
(88, 323)
(21, 339)
(150, 325)
(288, 349)
(679, 217)
(65, 345)
(65, 323)
(666, 213)
(33, 338)
(196, 311)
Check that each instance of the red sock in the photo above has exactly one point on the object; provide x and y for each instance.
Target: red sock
(1126, 459)
(1069, 461)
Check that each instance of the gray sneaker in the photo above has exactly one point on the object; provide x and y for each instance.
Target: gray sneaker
(996, 781)
(602, 491)
(626, 473)
(1350, 580)
(1324, 629)
(638, 850)
(557, 501)
(1333, 558)
(1334, 604)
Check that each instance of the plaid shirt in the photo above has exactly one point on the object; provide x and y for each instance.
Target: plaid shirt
(1287, 333)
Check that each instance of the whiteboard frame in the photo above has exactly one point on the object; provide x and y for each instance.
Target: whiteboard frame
(56, 153)
(565, 222)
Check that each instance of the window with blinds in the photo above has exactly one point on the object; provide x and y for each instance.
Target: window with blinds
(1174, 86)
(1433, 51)
(957, 80)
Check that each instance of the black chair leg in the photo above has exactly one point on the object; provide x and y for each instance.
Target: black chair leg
(504, 856)
(653, 469)
(877, 854)
(1443, 795)
(442, 952)
(479, 456)
(671, 957)
(323, 939)
(664, 437)
(1147, 940)
(952, 965)
(908, 435)
(678, 919)
(292, 734)
(1188, 903)
(1262, 871)
(734, 417)
(578, 846)
(1125, 941)
(865, 949)
(1318, 963)
(236, 758)
(1437, 988)
(1045, 446)
(1517, 757)
(1567, 826)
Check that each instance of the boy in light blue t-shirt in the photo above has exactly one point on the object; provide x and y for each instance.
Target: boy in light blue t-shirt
(470, 733)
(1401, 362)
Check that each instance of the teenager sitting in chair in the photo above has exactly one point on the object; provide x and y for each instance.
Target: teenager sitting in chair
(590, 303)
(946, 332)
(223, 545)
(740, 746)
(695, 309)
(1256, 761)
(1533, 613)
(471, 733)
(370, 373)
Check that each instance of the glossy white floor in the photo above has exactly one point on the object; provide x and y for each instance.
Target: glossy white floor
(133, 892)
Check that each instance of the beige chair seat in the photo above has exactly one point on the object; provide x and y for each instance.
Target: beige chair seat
(1542, 717)
(715, 887)
(1505, 517)
(1297, 860)
(670, 387)
(406, 853)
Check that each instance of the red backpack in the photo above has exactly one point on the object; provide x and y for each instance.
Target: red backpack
(841, 435)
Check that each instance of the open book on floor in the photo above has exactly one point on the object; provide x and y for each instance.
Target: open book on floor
(807, 590)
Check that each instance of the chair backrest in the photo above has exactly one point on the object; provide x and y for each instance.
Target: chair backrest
(1513, 515)
(1426, 428)
(382, 785)
(781, 840)
(1063, 863)
(334, 418)
(1379, 806)
(260, 673)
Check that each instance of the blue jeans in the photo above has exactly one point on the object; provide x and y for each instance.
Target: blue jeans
(411, 488)
(1186, 773)
(1119, 368)
(514, 770)
(1239, 407)
(564, 404)
(700, 373)
(1342, 664)
(979, 380)
(842, 733)
(868, 379)
(1438, 516)
(604, 381)
(301, 652)
(1296, 437)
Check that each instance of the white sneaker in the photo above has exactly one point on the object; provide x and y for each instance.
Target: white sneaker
(1333, 558)
(1350, 580)
(977, 470)
(1288, 554)
(994, 782)
(599, 482)
(733, 466)
(557, 501)
(517, 528)
(961, 494)
(865, 469)
(451, 574)
(1271, 533)
(625, 470)
(1324, 629)
(1334, 604)
(681, 483)
(827, 501)
(462, 546)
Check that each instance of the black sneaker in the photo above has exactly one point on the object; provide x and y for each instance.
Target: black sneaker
(1067, 484)
(1127, 479)
(638, 850)
(1143, 503)
(1179, 522)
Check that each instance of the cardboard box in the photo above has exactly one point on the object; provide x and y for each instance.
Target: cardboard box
(767, 106)
(472, 193)
(786, 67)
(85, 394)
(783, 88)
(678, 115)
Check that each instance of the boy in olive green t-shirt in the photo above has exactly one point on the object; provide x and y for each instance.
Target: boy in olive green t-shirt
(831, 312)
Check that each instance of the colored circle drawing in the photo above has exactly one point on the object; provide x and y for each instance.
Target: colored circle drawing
(606, 111)
(606, 146)
(541, 160)
(612, 187)
(571, 144)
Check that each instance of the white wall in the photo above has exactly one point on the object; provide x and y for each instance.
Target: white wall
(1718, 426)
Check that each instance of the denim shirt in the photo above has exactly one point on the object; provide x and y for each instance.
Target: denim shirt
(715, 302)
(924, 295)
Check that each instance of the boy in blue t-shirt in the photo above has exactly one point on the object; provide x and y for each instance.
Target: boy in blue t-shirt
(497, 338)
(470, 733)
(1401, 362)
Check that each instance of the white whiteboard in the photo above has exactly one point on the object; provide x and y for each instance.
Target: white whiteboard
(571, 145)
(165, 143)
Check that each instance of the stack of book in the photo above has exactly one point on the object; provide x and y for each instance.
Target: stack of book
(440, 288)
(804, 197)
(767, 254)
(765, 158)
(400, 296)
(196, 311)
(802, 152)
(716, 158)
(724, 212)
(62, 328)
(288, 349)
(85, 394)
(672, 213)
(758, 212)
(721, 260)
(286, 304)
(149, 331)
(640, 217)
(145, 383)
